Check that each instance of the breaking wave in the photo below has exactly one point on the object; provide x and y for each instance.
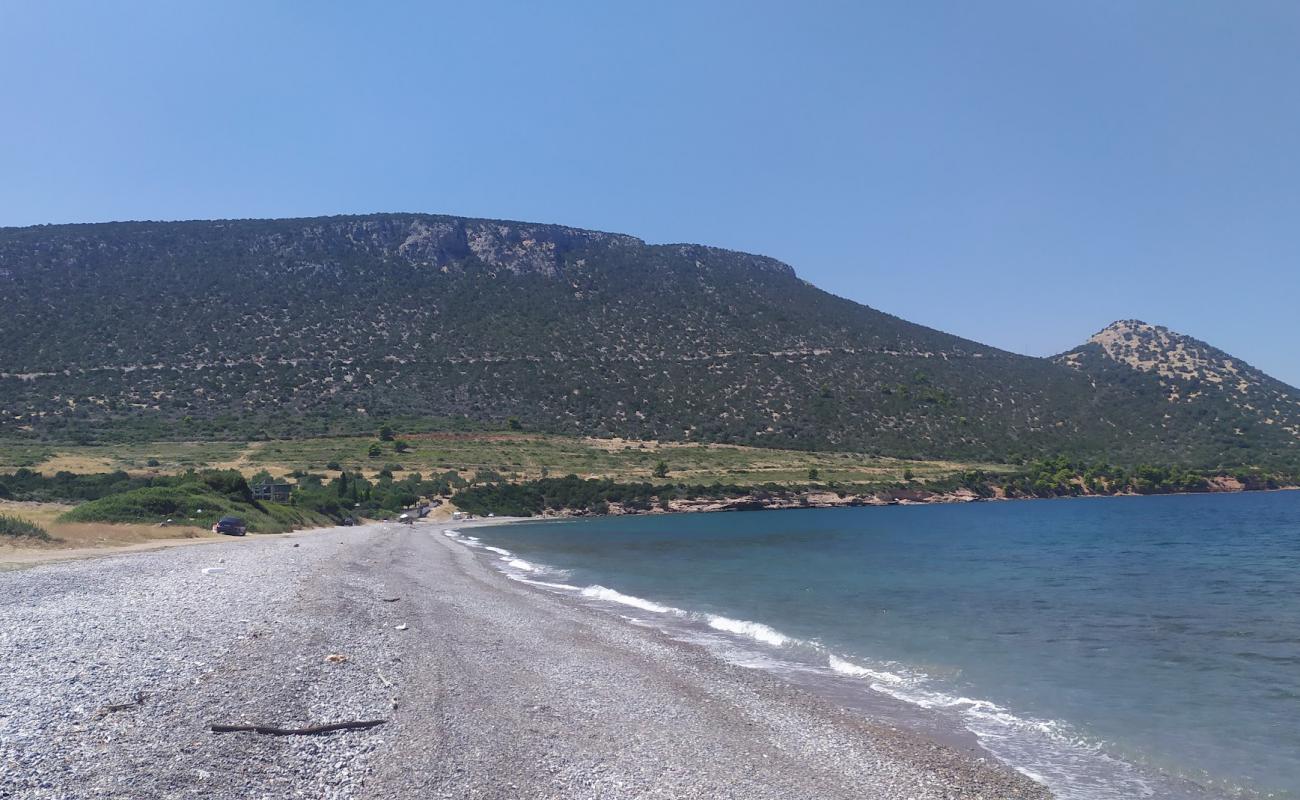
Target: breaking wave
(753, 630)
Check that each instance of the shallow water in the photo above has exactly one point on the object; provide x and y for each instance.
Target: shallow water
(1113, 648)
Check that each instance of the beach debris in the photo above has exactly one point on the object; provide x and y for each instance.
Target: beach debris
(336, 658)
(295, 544)
(386, 681)
(213, 570)
(389, 599)
(137, 699)
(310, 730)
(401, 627)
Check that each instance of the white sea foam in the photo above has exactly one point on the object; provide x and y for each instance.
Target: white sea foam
(550, 585)
(452, 534)
(844, 667)
(519, 563)
(611, 596)
(754, 630)
(499, 551)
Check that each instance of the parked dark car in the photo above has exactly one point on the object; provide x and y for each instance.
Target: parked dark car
(349, 521)
(231, 526)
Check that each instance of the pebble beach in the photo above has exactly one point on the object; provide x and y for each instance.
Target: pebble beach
(117, 667)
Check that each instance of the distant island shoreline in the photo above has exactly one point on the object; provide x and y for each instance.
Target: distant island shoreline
(793, 500)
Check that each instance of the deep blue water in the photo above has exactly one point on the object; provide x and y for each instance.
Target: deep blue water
(1113, 647)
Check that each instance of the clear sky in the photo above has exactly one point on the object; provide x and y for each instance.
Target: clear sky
(1020, 173)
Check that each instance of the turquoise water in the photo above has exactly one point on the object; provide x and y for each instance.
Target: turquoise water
(1118, 647)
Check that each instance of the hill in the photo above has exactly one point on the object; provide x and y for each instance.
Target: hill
(1207, 402)
(331, 325)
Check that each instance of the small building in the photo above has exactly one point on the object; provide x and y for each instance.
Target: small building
(272, 492)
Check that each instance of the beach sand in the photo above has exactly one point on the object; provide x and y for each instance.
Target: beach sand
(491, 688)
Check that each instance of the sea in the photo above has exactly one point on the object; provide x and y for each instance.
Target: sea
(1119, 647)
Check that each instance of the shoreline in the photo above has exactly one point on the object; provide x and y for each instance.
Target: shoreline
(16, 554)
(934, 746)
(876, 708)
(747, 641)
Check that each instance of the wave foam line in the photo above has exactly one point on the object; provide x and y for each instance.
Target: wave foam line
(609, 595)
(844, 667)
(549, 585)
(498, 550)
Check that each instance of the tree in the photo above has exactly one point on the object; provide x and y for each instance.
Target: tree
(386, 433)
(401, 447)
(514, 424)
(908, 475)
(661, 469)
(375, 450)
(261, 477)
(813, 474)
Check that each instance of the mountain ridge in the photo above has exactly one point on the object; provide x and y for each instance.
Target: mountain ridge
(312, 325)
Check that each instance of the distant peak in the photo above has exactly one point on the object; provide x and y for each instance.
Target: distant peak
(1155, 348)
(1174, 357)
(1124, 327)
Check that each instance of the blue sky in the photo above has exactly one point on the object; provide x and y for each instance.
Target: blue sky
(1017, 173)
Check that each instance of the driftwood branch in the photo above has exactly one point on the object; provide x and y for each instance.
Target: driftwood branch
(137, 699)
(312, 730)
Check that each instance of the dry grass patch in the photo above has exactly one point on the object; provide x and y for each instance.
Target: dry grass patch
(77, 535)
(76, 462)
(97, 534)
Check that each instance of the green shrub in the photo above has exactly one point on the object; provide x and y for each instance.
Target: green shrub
(154, 504)
(182, 504)
(21, 528)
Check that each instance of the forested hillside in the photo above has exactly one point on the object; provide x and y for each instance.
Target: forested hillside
(308, 326)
